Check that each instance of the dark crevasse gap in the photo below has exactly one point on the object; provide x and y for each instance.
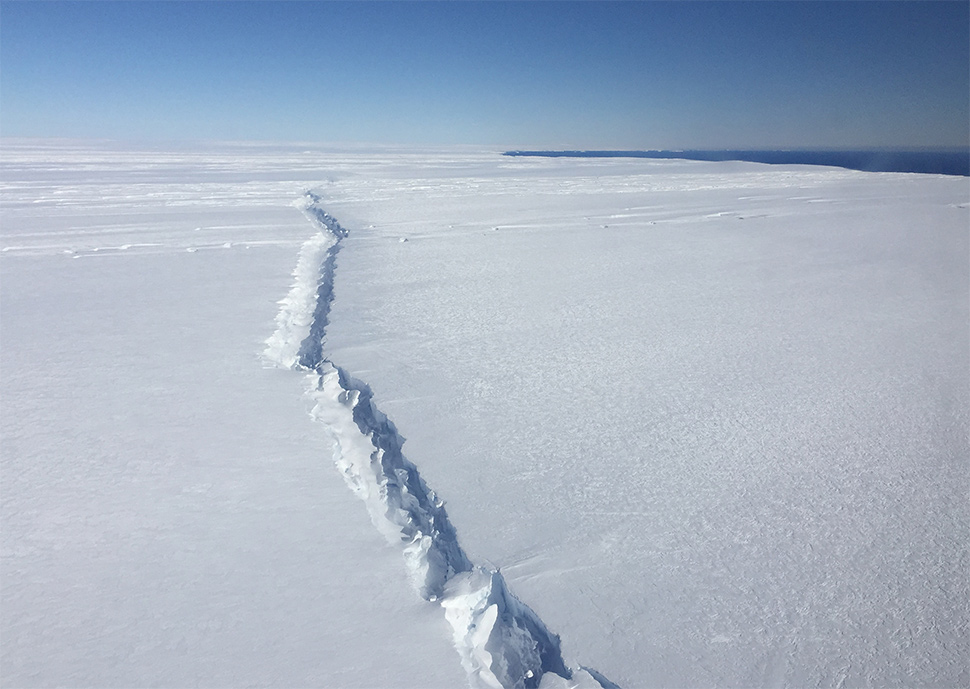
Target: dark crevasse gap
(410, 504)
(311, 349)
(502, 643)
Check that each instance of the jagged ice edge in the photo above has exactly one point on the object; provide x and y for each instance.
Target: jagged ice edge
(298, 308)
(501, 641)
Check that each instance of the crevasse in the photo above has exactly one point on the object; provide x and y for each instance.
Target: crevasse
(501, 641)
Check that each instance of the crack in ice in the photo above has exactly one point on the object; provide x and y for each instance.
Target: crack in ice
(501, 641)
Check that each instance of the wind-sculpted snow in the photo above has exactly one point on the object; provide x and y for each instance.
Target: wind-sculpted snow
(501, 641)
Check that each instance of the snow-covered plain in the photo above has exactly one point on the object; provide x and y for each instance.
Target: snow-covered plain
(708, 420)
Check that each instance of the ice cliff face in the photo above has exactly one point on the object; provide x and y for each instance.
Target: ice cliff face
(502, 643)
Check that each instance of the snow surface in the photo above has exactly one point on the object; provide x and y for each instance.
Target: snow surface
(501, 641)
(171, 516)
(707, 420)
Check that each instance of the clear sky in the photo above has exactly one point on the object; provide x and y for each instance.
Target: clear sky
(535, 74)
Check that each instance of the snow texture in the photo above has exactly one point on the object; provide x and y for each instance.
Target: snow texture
(502, 642)
(709, 420)
(166, 517)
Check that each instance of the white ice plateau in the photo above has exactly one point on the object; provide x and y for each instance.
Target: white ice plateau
(696, 424)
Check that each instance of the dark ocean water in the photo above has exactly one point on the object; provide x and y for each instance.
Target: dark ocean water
(940, 162)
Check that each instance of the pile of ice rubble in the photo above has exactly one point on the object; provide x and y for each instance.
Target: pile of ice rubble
(502, 643)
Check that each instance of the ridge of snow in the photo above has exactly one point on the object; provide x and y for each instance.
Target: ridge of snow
(367, 451)
(503, 644)
(302, 319)
(501, 641)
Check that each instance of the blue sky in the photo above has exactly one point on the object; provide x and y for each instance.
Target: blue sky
(540, 74)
